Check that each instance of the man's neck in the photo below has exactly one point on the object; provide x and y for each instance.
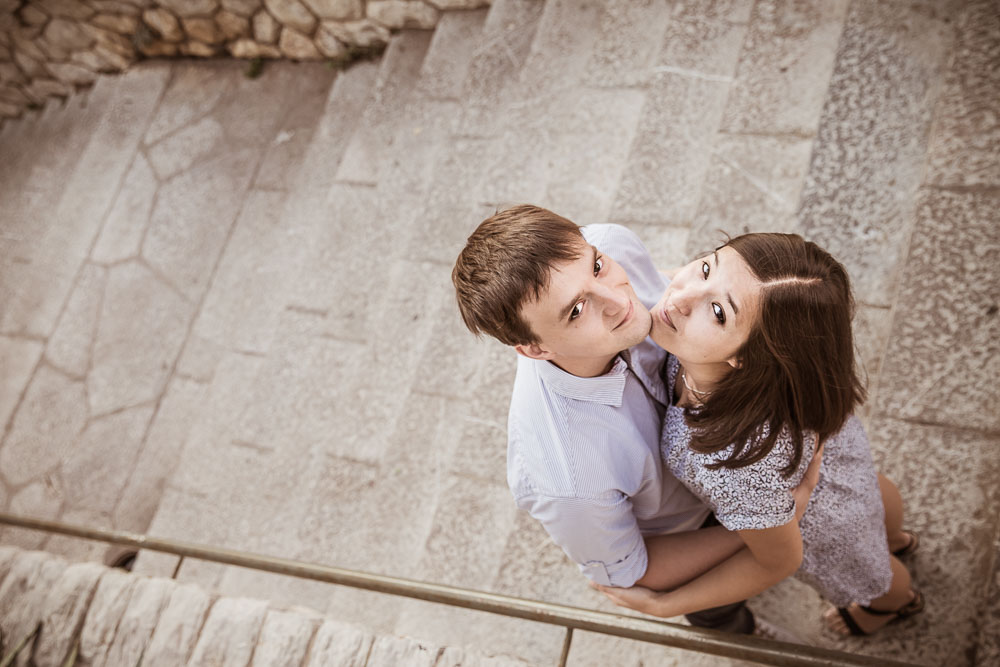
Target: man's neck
(586, 367)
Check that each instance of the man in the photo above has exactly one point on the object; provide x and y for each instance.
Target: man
(583, 452)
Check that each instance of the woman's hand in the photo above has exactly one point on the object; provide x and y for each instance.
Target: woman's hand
(638, 598)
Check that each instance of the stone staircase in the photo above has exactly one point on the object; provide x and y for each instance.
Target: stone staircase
(227, 315)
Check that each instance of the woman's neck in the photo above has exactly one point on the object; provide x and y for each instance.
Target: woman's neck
(703, 378)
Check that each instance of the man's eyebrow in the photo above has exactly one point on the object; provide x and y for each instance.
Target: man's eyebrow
(564, 313)
(729, 297)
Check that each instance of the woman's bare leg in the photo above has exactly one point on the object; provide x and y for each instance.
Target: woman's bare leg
(893, 502)
(900, 594)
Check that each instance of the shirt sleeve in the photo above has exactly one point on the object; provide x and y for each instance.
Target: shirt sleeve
(599, 534)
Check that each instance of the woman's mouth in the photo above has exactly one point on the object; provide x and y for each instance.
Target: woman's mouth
(666, 318)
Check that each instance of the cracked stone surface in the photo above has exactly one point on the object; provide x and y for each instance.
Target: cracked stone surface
(227, 315)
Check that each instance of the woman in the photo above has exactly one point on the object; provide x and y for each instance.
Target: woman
(761, 369)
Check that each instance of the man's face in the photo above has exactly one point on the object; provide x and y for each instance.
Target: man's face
(587, 315)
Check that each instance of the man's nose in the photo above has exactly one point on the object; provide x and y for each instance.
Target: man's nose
(614, 300)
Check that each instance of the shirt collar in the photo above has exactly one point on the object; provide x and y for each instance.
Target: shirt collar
(606, 389)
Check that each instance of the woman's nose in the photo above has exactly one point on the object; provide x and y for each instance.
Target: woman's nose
(681, 300)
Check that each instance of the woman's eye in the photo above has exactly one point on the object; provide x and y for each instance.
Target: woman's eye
(705, 269)
(720, 314)
(575, 313)
(598, 265)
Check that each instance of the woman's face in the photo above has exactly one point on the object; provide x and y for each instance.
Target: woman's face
(708, 310)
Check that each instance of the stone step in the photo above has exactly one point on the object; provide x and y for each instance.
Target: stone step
(398, 73)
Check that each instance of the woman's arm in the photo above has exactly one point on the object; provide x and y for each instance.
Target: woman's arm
(771, 555)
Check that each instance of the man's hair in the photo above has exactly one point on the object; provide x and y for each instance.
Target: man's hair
(506, 262)
(797, 368)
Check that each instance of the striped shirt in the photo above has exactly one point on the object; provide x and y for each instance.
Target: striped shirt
(583, 454)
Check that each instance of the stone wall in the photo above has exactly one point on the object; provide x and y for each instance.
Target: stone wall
(115, 618)
(50, 47)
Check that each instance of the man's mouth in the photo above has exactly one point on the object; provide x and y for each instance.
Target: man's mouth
(666, 318)
(628, 315)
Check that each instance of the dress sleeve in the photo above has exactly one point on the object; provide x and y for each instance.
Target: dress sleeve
(599, 534)
(756, 496)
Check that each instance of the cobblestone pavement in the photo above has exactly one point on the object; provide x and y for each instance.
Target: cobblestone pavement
(227, 317)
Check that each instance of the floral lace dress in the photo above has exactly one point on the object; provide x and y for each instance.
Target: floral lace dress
(845, 551)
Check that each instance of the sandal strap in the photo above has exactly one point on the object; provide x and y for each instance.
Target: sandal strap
(914, 606)
(850, 622)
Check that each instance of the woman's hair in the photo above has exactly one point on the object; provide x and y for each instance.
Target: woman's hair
(796, 370)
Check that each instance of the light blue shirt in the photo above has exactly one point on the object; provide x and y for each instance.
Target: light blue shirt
(583, 454)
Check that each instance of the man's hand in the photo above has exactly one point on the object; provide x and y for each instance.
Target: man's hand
(637, 597)
(803, 491)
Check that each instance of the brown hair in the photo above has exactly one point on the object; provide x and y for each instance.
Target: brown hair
(506, 261)
(797, 368)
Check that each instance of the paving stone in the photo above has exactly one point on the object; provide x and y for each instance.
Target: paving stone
(752, 184)
(629, 34)
(23, 592)
(562, 41)
(955, 511)
(667, 245)
(337, 643)
(490, 634)
(390, 651)
(867, 163)
(230, 632)
(194, 91)
(451, 209)
(186, 147)
(33, 288)
(248, 291)
(106, 609)
(140, 619)
(18, 358)
(45, 426)
(242, 7)
(988, 647)
(159, 456)
(63, 611)
(286, 152)
(444, 69)
(372, 140)
(41, 499)
(397, 14)
(507, 35)
(292, 13)
(199, 358)
(97, 468)
(76, 549)
(178, 626)
(591, 649)
(452, 554)
(192, 218)
(284, 639)
(121, 235)
(141, 330)
(533, 566)
(451, 656)
(69, 346)
(674, 140)
(787, 59)
(940, 343)
(963, 145)
(872, 330)
(591, 153)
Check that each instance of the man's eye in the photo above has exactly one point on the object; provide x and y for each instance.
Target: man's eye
(575, 313)
(705, 269)
(720, 314)
(598, 265)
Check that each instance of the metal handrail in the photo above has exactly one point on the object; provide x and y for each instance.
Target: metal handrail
(702, 640)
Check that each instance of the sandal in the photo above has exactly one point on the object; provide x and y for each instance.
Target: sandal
(911, 545)
(911, 608)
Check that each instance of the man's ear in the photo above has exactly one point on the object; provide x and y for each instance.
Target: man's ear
(533, 351)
